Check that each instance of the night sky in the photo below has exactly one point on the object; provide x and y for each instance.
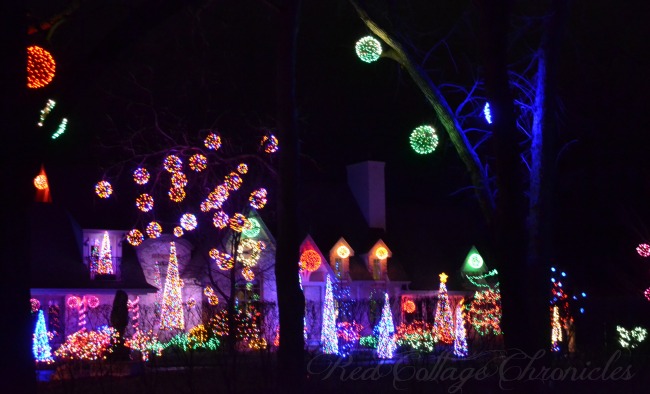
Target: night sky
(215, 69)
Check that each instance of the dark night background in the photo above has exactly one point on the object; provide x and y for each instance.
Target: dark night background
(351, 111)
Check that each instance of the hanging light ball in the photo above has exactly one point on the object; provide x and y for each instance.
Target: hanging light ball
(270, 143)
(310, 260)
(103, 189)
(176, 194)
(198, 162)
(257, 198)
(238, 223)
(254, 231)
(220, 219)
(144, 202)
(154, 230)
(178, 231)
(208, 291)
(134, 237)
(172, 163)
(381, 253)
(424, 139)
(188, 221)
(368, 49)
(643, 250)
(35, 304)
(233, 181)
(212, 141)
(41, 67)
(248, 274)
(40, 182)
(224, 261)
(179, 179)
(646, 293)
(213, 300)
(242, 168)
(141, 176)
(343, 251)
(409, 306)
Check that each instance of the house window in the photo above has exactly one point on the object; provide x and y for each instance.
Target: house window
(337, 268)
(376, 269)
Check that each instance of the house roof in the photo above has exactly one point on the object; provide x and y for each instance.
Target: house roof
(56, 257)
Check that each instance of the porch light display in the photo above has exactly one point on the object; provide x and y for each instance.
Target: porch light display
(270, 143)
(220, 219)
(310, 260)
(212, 141)
(103, 189)
(179, 179)
(188, 221)
(381, 253)
(134, 237)
(41, 67)
(424, 139)
(178, 231)
(88, 345)
(643, 250)
(172, 306)
(154, 230)
(443, 327)
(460, 334)
(198, 162)
(487, 113)
(172, 163)
(417, 335)
(40, 342)
(328, 338)
(254, 229)
(49, 106)
(629, 339)
(176, 194)
(61, 129)
(408, 306)
(348, 335)
(343, 252)
(257, 198)
(242, 168)
(368, 49)
(141, 176)
(105, 263)
(485, 312)
(144, 202)
(40, 182)
(386, 339)
(34, 304)
(238, 223)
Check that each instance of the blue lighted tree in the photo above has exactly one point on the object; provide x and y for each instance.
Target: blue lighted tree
(328, 338)
(41, 343)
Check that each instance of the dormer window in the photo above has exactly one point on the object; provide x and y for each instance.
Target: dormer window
(377, 260)
(339, 258)
(102, 254)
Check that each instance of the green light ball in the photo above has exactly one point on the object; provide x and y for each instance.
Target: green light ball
(368, 49)
(424, 140)
(254, 231)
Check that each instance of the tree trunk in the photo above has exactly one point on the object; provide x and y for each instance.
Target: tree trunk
(291, 301)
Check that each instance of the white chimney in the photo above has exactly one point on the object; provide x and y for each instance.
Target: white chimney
(366, 180)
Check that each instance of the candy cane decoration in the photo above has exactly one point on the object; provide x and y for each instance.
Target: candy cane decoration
(82, 313)
(134, 309)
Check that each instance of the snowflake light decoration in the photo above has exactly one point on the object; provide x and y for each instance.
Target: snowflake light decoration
(103, 189)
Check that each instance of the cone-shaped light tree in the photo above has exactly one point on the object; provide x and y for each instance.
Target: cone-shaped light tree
(328, 338)
(105, 264)
(460, 337)
(41, 344)
(386, 342)
(172, 305)
(443, 327)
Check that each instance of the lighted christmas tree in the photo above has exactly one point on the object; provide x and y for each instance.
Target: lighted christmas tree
(460, 337)
(386, 342)
(172, 303)
(41, 343)
(443, 326)
(485, 312)
(105, 264)
(328, 337)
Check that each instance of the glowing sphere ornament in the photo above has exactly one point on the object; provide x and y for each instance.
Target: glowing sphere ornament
(249, 251)
(35, 304)
(224, 261)
(141, 176)
(646, 293)
(74, 302)
(41, 67)
(310, 260)
(213, 300)
(381, 253)
(368, 49)
(257, 198)
(408, 306)
(242, 168)
(176, 194)
(154, 229)
(212, 141)
(208, 291)
(134, 237)
(144, 202)
(248, 274)
(92, 302)
(233, 181)
(238, 223)
(172, 163)
(270, 143)
(643, 250)
(254, 231)
(179, 179)
(40, 182)
(103, 189)
(220, 219)
(188, 221)
(178, 231)
(475, 261)
(343, 252)
(424, 139)
(198, 162)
